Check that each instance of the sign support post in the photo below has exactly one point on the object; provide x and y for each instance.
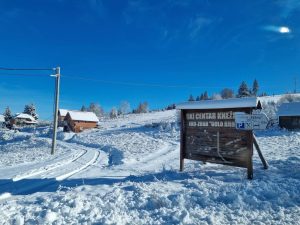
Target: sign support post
(182, 141)
(264, 162)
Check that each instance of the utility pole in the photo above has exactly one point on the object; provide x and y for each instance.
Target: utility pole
(57, 83)
(295, 91)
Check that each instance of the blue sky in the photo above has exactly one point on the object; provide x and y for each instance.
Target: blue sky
(186, 47)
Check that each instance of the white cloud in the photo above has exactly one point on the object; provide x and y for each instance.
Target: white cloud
(198, 25)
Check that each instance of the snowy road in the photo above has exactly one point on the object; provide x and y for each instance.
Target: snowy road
(40, 176)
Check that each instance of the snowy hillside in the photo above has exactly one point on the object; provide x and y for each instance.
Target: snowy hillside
(127, 172)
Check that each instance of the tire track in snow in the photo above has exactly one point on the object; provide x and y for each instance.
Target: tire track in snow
(83, 167)
(47, 168)
(25, 186)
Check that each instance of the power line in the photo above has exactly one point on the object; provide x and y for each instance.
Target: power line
(24, 74)
(30, 69)
(150, 84)
(137, 84)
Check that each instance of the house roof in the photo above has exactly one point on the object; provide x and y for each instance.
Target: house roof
(2, 119)
(221, 104)
(24, 116)
(83, 116)
(289, 109)
(63, 112)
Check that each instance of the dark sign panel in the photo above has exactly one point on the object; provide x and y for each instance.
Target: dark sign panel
(211, 136)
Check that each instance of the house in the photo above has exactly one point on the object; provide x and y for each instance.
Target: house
(61, 116)
(23, 119)
(78, 121)
(289, 115)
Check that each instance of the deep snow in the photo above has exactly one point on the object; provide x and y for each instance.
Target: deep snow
(136, 180)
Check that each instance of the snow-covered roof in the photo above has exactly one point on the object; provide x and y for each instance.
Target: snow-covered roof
(25, 116)
(221, 104)
(2, 119)
(289, 109)
(63, 112)
(83, 116)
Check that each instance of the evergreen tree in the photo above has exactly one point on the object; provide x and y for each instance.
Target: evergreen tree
(255, 88)
(7, 114)
(263, 94)
(31, 110)
(191, 99)
(243, 90)
(198, 98)
(205, 96)
(170, 107)
(83, 109)
(201, 97)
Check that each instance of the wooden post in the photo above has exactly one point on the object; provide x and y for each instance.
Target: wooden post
(264, 162)
(182, 141)
(250, 161)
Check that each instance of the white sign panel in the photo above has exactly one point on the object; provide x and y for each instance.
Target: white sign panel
(245, 121)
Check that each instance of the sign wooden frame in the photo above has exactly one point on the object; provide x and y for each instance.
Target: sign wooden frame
(210, 135)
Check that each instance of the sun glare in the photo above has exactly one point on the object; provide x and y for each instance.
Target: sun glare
(284, 30)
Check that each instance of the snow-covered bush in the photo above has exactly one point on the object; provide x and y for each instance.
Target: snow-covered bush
(288, 98)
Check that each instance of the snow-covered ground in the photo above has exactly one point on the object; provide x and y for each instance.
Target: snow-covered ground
(127, 172)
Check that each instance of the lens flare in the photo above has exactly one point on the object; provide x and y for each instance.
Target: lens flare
(277, 29)
(284, 30)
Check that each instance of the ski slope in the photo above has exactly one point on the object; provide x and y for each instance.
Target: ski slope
(127, 172)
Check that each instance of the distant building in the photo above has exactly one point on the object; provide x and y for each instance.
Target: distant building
(23, 119)
(62, 113)
(78, 121)
(289, 115)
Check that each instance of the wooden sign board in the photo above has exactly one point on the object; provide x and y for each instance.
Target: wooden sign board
(210, 135)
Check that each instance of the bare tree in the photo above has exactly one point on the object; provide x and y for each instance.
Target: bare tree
(124, 107)
(216, 97)
(97, 109)
(143, 108)
(227, 93)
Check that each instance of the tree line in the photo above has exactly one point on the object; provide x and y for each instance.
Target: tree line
(226, 93)
(123, 109)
